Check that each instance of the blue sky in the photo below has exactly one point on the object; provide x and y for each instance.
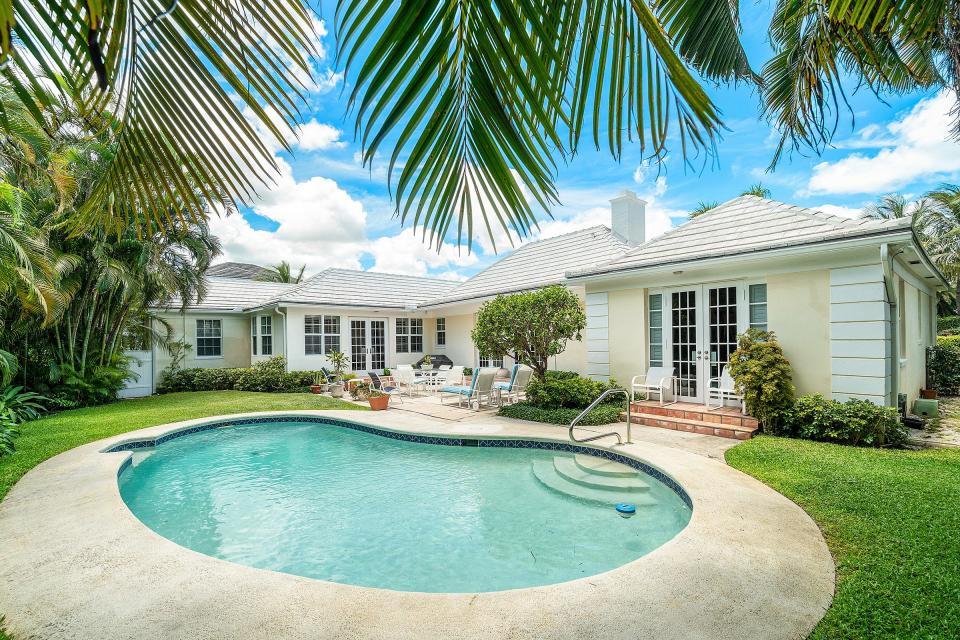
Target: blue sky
(327, 210)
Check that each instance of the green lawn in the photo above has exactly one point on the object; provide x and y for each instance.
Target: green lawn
(892, 521)
(45, 438)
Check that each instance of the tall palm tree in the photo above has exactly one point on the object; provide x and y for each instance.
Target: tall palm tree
(758, 190)
(935, 219)
(180, 86)
(944, 233)
(282, 273)
(702, 207)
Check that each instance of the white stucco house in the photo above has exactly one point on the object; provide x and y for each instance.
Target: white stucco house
(853, 301)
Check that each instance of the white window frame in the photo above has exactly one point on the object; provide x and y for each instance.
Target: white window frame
(326, 337)
(219, 337)
(750, 305)
(266, 335)
(405, 330)
(490, 362)
(441, 330)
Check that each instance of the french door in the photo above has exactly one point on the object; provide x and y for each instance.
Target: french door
(368, 344)
(704, 321)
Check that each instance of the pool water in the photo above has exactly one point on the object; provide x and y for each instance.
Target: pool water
(337, 504)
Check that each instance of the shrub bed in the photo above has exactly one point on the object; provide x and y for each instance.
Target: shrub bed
(267, 375)
(854, 422)
(605, 413)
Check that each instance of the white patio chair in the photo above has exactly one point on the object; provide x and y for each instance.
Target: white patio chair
(481, 386)
(406, 378)
(658, 380)
(455, 375)
(723, 389)
(519, 377)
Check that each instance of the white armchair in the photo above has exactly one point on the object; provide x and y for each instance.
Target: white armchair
(658, 380)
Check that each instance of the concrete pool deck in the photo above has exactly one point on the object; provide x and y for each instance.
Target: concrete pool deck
(76, 563)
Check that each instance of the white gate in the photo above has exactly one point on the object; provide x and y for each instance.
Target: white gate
(141, 365)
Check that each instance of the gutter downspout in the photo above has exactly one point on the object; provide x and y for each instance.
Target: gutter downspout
(286, 360)
(886, 262)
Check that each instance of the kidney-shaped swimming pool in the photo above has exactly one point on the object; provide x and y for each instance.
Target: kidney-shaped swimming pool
(342, 503)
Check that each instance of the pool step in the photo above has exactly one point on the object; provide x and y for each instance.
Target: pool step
(602, 467)
(546, 473)
(568, 469)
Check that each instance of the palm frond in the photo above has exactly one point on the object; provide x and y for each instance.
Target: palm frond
(480, 98)
(170, 83)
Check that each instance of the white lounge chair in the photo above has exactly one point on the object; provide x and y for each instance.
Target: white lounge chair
(519, 377)
(481, 386)
(658, 380)
(723, 389)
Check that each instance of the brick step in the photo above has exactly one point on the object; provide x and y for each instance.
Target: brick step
(738, 432)
(719, 417)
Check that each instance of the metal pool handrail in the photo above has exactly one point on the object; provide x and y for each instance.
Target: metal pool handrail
(603, 435)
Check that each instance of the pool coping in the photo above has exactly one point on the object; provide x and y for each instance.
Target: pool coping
(750, 563)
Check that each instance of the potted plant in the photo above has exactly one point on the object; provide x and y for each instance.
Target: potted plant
(359, 390)
(338, 360)
(319, 383)
(378, 400)
(427, 362)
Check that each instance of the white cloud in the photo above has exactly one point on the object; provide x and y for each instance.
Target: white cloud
(915, 146)
(317, 136)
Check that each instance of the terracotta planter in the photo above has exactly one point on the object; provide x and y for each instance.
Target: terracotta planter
(928, 394)
(379, 403)
(316, 388)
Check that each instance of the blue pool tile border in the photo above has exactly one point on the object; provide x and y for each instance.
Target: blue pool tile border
(452, 441)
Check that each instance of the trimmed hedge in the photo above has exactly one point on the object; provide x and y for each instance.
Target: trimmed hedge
(854, 422)
(603, 414)
(943, 365)
(266, 375)
(948, 325)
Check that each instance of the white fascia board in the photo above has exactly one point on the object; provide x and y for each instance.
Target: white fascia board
(749, 258)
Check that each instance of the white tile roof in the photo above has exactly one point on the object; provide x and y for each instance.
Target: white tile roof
(237, 270)
(540, 263)
(744, 225)
(235, 294)
(346, 287)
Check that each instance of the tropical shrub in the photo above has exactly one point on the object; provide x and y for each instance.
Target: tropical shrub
(530, 327)
(95, 385)
(763, 375)
(943, 365)
(555, 393)
(854, 422)
(17, 406)
(605, 413)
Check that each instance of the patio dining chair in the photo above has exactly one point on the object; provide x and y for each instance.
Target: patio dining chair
(405, 377)
(385, 384)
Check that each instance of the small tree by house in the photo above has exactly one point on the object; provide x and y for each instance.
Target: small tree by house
(529, 327)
